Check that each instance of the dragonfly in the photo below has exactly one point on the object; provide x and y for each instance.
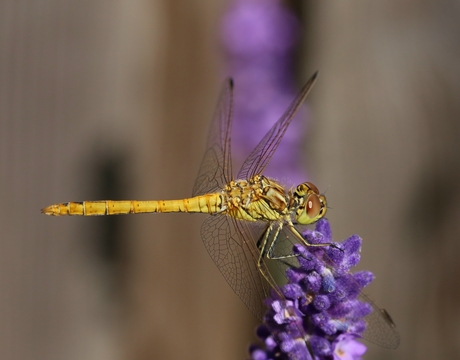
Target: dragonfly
(251, 215)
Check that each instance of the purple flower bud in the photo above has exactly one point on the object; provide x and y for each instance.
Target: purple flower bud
(321, 346)
(312, 283)
(323, 227)
(321, 302)
(363, 278)
(292, 291)
(346, 348)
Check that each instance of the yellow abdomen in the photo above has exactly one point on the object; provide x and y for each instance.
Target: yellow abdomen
(209, 203)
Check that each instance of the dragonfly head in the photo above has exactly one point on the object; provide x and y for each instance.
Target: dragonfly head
(312, 205)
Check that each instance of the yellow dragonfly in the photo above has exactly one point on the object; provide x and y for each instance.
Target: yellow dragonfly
(251, 215)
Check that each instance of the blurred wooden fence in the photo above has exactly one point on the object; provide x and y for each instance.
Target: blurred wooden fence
(112, 99)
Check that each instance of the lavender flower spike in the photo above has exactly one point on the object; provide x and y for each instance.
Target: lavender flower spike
(319, 315)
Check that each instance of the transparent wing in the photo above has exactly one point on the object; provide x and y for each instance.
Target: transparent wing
(231, 243)
(380, 328)
(216, 166)
(232, 246)
(261, 155)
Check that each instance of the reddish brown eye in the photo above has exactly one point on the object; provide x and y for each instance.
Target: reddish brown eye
(313, 187)
(313, 206)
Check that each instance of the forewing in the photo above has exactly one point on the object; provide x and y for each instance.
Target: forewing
(216, 167)
(261, 155)
(231, 245)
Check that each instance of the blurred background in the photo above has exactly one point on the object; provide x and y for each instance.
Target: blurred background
(104, 99)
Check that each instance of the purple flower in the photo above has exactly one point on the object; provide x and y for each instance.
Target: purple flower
(319, 315)
(347, 348)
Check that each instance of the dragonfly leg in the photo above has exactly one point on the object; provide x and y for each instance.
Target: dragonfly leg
(262, 246)
(303, 241)
(271, 249)
(262, 243)
(262, 238)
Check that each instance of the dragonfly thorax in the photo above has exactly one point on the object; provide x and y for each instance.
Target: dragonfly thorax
(256, 199)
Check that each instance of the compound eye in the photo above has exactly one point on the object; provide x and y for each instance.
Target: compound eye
(312, 187)
(313, 206)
